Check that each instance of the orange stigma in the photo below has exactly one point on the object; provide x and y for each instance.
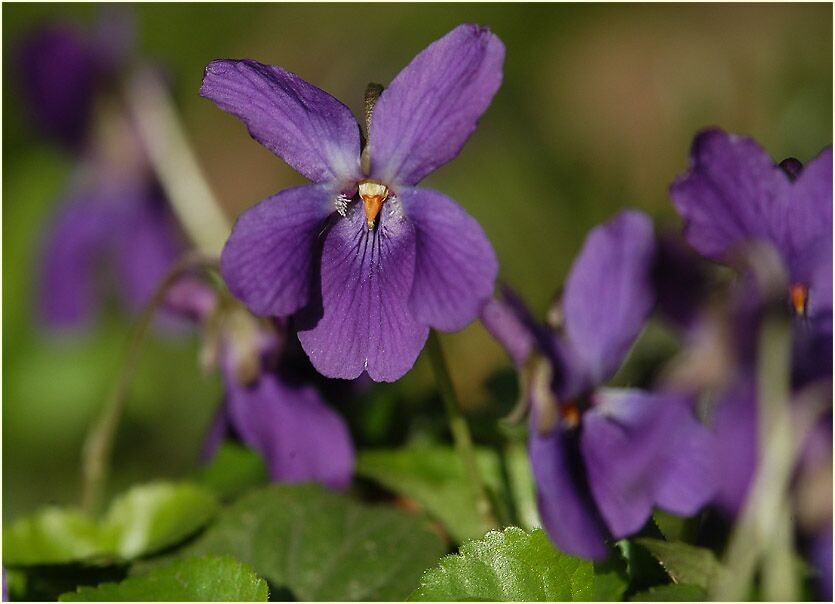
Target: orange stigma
(373, 195)
(571, 414)
(799, 295)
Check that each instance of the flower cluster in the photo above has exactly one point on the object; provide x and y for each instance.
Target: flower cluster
(114, 218)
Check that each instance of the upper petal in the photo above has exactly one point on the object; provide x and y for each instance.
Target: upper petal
(303, 125)
(301, 438)
(268, 260)
(362, 320)
(568, 514)
(642, 449)
(608, 293)
(808, 212)
(508, 329)
(431, 108)
(456, 267)
(731, 192)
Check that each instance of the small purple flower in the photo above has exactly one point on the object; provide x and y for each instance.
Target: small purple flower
(734, 194)
(285, 420)
(603, 457)
(114, 224)
(366, 261)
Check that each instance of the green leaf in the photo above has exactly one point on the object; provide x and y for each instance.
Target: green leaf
(671, 593)
(233, 470)
(193, 580)
(145, 519)
(434, 477)
(52, 536)
(610, 578)
(684, 563)
(150, 517)
(322, 545)
(508, 566)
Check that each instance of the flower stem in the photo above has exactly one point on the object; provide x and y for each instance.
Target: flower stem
(98, 446)
(174, 163)
(460, 430)
(763, 532)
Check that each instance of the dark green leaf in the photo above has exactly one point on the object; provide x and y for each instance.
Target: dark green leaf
(434, 477)
(610, 578)
(683, 562)
(192, 580)
(322, 545)
(512, 565)
(233, 470)
(671, 593)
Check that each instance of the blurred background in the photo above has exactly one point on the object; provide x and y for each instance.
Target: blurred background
(597, 111)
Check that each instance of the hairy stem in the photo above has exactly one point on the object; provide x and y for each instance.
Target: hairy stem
(460, 430)
(98, 446)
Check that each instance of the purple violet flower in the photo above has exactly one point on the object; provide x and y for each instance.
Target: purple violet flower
(603, 457)
(115, 219)
(299, 436)
(365, 261)
(734, 198)
(734, 194)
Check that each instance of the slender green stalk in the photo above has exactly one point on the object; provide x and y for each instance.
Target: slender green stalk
(98, 446)
(460, 430)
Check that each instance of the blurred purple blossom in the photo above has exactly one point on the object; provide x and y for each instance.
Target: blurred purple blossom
(114, 226)
(603, 457)
(734, 198)
(266, 404)
(366, 261)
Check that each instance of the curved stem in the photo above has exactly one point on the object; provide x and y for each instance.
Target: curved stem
(98, 446)
(460, 430)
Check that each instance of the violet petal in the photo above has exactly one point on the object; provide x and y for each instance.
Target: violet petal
(567, 512)
(608, 293)
(305, 126)
(362, 320)
(504, 325)
(267, 261)
(431, 108)
(641, 449)
(808, 212)
(145, 246)
(731, 192)
(58, 71)
(300, 437)
(735, 452)
(456, 266)
(78, 235)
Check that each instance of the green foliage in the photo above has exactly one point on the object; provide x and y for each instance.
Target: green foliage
(686, 564)
(145, 519)
(210, 579)
(322, 545)
(434, 477)
(512, 565)
(233, 470)
(676, 592)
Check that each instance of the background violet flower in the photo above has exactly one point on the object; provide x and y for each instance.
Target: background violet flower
(603, 457)
(286, 420)
(366, 261)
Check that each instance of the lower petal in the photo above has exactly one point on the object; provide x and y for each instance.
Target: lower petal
(565, 506)
(267, 261)
(642, 449)
(456, 266)
(300, 437)
(361, 321)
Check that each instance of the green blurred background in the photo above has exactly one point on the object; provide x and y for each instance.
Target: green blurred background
(597, 111)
